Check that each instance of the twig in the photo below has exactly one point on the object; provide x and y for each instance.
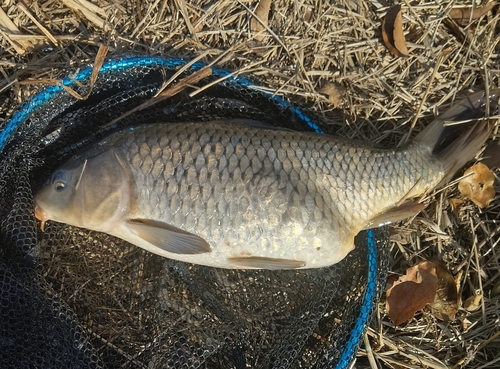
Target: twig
(369, 352)
(426, 93)
(44, 30)
(167, 93)
(99, 60)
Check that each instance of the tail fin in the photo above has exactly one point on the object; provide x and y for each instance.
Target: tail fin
(454, 143)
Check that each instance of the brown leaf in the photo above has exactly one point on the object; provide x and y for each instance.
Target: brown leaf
(445, 303)
(392, 32)
(262, 12)
(473, 302)
(455, 204)
(335, 91)
(411, 292)
(478, 185)
(464, 16)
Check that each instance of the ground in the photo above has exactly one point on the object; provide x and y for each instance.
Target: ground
(330, 57)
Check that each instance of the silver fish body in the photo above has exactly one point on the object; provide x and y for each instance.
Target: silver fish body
(232, 194)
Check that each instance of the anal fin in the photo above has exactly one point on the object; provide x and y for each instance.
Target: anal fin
(397, 213)
(260, 262)
(168, 237)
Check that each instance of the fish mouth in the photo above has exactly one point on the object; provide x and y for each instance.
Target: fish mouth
(41, 215)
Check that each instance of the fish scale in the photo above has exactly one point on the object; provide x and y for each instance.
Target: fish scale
(237, 194)
(259, 185)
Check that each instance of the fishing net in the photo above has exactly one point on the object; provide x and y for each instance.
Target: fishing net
(73, 298)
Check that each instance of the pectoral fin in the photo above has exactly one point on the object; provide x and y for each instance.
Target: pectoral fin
(168, 237)
(259, 262)
(400, 212)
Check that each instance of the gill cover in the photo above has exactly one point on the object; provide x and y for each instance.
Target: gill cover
(95, 193)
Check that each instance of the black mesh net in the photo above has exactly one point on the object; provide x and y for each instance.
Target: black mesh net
(73, 298)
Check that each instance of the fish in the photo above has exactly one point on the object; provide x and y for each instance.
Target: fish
(241, 194)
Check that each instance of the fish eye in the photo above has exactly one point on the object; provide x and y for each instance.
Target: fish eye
(59, 186)
(60, 180)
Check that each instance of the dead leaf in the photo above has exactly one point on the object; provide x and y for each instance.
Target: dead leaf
(392, 32)
(411, 292)
(464, 16)
(473, 303)
(425, 283)
(336, 93)
(261, 12)
(445, 303)
(478, 185)
(455, 205)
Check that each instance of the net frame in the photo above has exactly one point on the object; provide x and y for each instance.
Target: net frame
(29, 141)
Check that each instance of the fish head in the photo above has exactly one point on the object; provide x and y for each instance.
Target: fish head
(92, 193)
(56, 197)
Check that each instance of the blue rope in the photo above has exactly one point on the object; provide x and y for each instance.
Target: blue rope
(48, 93)
(45, 95)
(364, 314)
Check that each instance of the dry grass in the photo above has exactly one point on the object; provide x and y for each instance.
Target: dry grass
(306, 44)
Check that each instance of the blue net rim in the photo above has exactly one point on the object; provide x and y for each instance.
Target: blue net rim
(43, 97)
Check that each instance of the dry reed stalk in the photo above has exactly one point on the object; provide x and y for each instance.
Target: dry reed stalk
(307, 43)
